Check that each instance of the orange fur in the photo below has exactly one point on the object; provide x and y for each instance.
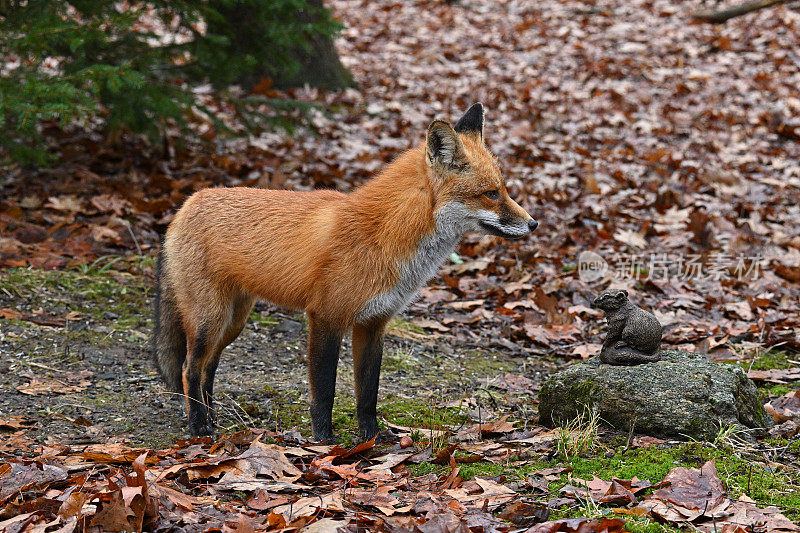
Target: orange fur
(324, 252)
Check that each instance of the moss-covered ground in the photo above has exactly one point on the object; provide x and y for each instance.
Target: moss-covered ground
(96, 318)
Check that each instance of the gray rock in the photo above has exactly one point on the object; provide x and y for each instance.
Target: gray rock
(682, 396)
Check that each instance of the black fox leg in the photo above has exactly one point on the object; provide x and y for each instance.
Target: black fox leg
(367, 356)
(200, 423)
(240, 311)
(323, 357)
(208, 389)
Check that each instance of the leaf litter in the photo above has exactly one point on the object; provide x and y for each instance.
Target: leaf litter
(622, 128)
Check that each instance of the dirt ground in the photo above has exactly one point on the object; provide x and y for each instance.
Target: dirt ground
(78, 343)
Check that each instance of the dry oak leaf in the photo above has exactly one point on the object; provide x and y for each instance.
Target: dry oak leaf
(482, 493)
(785, 408)
(513, 383)
(389, 461)
(73, 382)
(14, 423)
(310, 505)
(325, 525)
(523, 514)
(585, 351)
(741, 309)
(692, 493)
(67, 203)
(380, 498)
(616, 491)
(115, 515)
(105, 235)
(746, 516)
(427, 323)
(467, 266)
(631, 238)
(550, 333)
(20, 476)
(498, 426)
(775, 375)
(112, 453)
(107, 203)
(250, 469)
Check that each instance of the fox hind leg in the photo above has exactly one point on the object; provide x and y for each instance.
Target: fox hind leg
(205, 325)
(239, 313)
(199, 353)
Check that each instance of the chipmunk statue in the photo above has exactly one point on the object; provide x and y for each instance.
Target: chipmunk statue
(634, 335)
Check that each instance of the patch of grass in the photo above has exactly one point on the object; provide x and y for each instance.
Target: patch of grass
(417, 413)
(644, 525)
(118, 298)
(263, 320)
(399, 325)
(739, 473)
(399, 360)
(478, 363)
(579, 435)
(282, 410)
(345, 422)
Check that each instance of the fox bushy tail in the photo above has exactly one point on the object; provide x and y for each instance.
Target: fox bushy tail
(169, 339)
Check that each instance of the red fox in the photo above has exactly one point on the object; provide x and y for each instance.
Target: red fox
(351, 261)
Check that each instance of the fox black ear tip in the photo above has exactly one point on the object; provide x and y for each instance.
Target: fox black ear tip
(477, 107)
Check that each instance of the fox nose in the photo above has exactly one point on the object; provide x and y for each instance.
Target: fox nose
(532, 224)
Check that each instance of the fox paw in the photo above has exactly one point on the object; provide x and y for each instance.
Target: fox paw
(202, 430)
(325, 439)
(386, 435)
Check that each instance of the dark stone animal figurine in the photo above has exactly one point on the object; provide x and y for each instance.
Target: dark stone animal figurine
(634, 335)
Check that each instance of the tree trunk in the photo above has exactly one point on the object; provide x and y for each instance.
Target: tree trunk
(320, 66)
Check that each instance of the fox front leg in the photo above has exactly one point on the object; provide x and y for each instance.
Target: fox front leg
(324, 342)
(367, 355)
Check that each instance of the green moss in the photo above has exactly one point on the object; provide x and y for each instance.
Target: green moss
(775, 390)
(417, 413)
(484, 364)
(768, 360)
(643, 525)
(400, 325)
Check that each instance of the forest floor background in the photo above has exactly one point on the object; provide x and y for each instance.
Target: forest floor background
(669, 149)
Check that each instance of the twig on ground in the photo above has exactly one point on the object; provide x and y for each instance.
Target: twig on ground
(723, 15)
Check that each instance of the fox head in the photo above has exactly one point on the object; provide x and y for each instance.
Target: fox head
(469, 189)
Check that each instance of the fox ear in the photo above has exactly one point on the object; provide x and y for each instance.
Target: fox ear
(443, 145)
(472, 121)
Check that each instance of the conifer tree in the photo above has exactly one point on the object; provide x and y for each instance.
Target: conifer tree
(132, 66)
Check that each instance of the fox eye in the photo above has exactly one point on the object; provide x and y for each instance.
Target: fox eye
(492, 195)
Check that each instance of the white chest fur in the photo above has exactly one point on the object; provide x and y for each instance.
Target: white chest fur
(452, 221)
